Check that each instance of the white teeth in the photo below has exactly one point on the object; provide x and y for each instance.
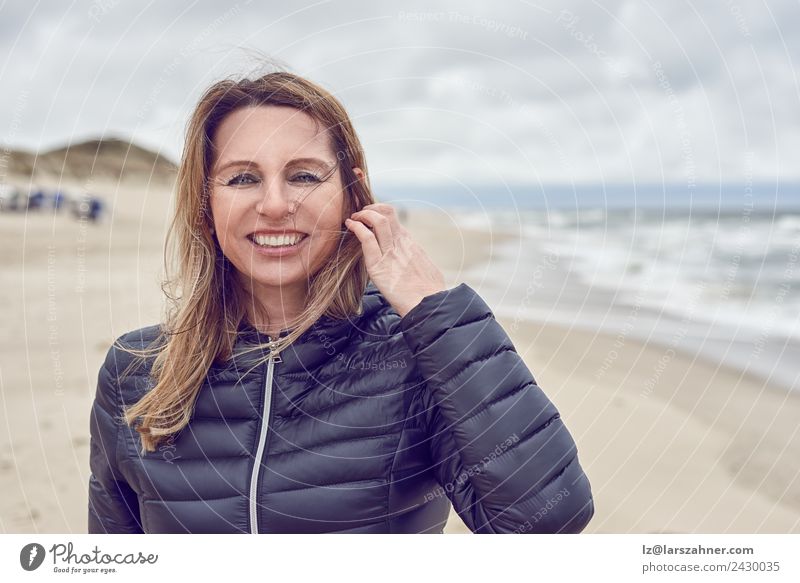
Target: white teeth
(277, 240)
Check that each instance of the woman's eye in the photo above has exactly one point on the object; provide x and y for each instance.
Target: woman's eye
(241, 179)
(305, 177)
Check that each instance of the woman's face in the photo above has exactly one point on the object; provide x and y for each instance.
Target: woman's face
(276, 217)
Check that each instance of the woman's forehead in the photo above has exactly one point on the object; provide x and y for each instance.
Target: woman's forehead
(270, 135)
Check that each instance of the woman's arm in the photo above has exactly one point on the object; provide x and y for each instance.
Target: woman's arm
(501, 451)
(113, 505)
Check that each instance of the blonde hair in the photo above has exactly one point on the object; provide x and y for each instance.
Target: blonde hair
(203, 294)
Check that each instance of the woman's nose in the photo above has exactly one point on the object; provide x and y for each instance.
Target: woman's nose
(274, 199)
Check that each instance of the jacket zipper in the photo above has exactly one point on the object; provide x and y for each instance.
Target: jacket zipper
(262, 437)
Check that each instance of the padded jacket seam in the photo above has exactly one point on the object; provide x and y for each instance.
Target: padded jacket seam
(496, 352)
(311, 486)
(394, 460)
(544, 486)
(314, 446)
(117, 415)
(531, 435)
(487, 315)
(203, 499)
(334, 405)
(486, 405)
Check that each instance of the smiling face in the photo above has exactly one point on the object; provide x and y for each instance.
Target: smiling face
(277, 197)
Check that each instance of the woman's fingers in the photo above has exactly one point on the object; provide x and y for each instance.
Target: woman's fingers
(369, 244)
(382, 217)
(380, 225)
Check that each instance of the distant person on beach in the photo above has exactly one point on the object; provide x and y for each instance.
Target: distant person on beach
(87, 207)
(58, 200)
(314, 374)
(36, 199)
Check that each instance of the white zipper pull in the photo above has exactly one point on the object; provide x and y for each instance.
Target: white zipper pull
(276, 357)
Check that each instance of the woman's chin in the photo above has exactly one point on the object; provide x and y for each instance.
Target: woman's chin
(286, 282)
(278, 278)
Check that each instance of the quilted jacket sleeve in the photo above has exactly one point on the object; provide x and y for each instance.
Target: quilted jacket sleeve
(500, 450)
(113, 505)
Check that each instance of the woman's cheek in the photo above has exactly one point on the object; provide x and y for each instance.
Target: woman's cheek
(320, 250)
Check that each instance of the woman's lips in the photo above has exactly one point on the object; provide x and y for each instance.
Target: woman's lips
(278, 251)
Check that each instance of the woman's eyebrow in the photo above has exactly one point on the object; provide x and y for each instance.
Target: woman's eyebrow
(309, 160)
(235, 163)
(295, 161)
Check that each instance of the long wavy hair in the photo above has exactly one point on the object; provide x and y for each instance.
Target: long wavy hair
(201, 285)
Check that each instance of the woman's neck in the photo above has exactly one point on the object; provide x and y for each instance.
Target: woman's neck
(272, 309)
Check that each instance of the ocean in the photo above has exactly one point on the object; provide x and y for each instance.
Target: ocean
(711, 270)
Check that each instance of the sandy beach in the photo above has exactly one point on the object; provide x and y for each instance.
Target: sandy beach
(691, 447)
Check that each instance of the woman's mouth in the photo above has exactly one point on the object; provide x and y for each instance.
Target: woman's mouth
(277, 245)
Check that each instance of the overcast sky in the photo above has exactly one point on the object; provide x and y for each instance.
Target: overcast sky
(451, 92)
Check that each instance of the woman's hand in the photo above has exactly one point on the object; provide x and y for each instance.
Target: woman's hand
(396, 264)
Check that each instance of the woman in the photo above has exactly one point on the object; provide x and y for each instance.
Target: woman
(314, 373)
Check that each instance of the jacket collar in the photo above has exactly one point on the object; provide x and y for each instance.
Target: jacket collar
(371, 302)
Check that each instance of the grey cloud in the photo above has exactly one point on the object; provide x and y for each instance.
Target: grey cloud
(558, 90)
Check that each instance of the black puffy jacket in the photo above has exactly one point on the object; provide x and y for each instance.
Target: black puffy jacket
(373, 425)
